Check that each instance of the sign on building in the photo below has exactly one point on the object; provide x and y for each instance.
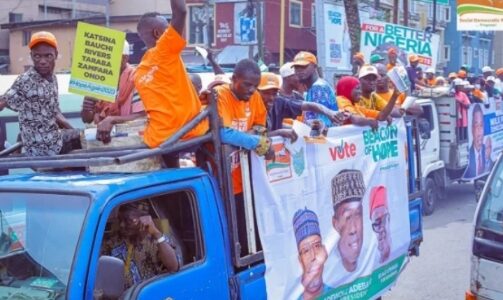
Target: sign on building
(96, 61)
(477, 15)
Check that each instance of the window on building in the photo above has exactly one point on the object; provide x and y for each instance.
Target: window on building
(430, 11)
(447, 53)
(201, 29)
(486, 57)
(313, 16)
(464, 56)
(14, 17)
(469, 53)
(447, 14)
(295, 13)
(26, 37)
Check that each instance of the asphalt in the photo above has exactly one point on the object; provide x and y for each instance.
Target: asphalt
(442, 271)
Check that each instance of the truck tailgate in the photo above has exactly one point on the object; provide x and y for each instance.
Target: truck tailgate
(251, 283)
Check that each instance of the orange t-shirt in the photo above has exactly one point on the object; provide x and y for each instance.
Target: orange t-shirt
(387, 96)
(241, 116)
(167, 93)
(390, 66)
(345, 104)
(430, 82)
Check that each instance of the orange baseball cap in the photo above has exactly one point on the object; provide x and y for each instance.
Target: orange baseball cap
(268, 81)
(43, 37)
(304, 58)
(359, 55)
(413, 58)
(462, 74)
(499, 71)
(453, 75)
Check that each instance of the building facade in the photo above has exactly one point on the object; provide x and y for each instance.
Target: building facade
(472, 48)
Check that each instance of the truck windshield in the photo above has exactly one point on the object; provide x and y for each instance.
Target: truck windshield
(491, 211)
(38, 238)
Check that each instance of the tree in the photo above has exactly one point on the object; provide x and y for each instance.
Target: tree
(354, 27)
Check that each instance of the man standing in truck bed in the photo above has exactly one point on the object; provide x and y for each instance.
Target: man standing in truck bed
(34, 96)
(164, 86)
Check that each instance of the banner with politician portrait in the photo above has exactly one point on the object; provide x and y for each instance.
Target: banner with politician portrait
(333, 213)
(485, 138)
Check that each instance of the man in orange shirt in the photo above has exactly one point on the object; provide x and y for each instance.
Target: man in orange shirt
(169, 98)
(430, 80)
(383, 90)
(243, 116)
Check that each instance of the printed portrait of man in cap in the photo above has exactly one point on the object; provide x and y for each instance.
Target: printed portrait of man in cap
(380, 218)
(348, 189)
(312, 253)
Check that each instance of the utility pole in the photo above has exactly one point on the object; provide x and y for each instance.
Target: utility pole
(107, 13)
(395, 11)
(208, 23)
(406, 12)
(258, 24)
(282, 33)
(434, 16)
(45, 9)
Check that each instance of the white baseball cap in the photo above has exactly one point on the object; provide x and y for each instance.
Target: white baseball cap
(126, 50)
(458, 82)
(287, 70)
(487, 69)
(367, 70)
(491, 78)
(430, 70)
(466, 83)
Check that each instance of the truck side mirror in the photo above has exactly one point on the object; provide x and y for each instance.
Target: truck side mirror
(424, 129)
(110, 279)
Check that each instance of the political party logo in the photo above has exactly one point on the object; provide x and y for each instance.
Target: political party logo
(479, 15)
(299, 163)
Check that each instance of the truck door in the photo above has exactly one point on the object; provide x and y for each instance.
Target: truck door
(430, 144)
(187, 214)
(487, 259)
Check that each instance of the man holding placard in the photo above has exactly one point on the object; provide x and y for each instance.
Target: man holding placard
(34, 96)
(127, 105)
(169, 98)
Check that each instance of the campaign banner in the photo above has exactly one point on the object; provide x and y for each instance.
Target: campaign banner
(479, 15)
(485, 138)
(333, 214)
(377, 37)
(338, 44)
(96, 61)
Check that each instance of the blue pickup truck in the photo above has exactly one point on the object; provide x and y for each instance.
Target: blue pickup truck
(53, 225)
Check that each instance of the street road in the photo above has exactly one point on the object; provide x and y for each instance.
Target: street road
(442, 271)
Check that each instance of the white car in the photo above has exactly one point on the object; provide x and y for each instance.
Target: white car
(487, 250)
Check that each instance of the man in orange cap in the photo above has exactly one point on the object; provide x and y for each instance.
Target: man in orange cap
(392, 56)
(318, 90)
(358, 62)
(34, 95)
(462, 74)
(412, 71)
(498, 85)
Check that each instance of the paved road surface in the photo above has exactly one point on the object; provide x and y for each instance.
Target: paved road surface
(443, 268)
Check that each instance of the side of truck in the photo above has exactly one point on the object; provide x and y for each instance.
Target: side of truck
(444, 155)
(56, 222)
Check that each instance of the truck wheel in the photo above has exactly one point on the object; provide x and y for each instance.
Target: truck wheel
(429, 197)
